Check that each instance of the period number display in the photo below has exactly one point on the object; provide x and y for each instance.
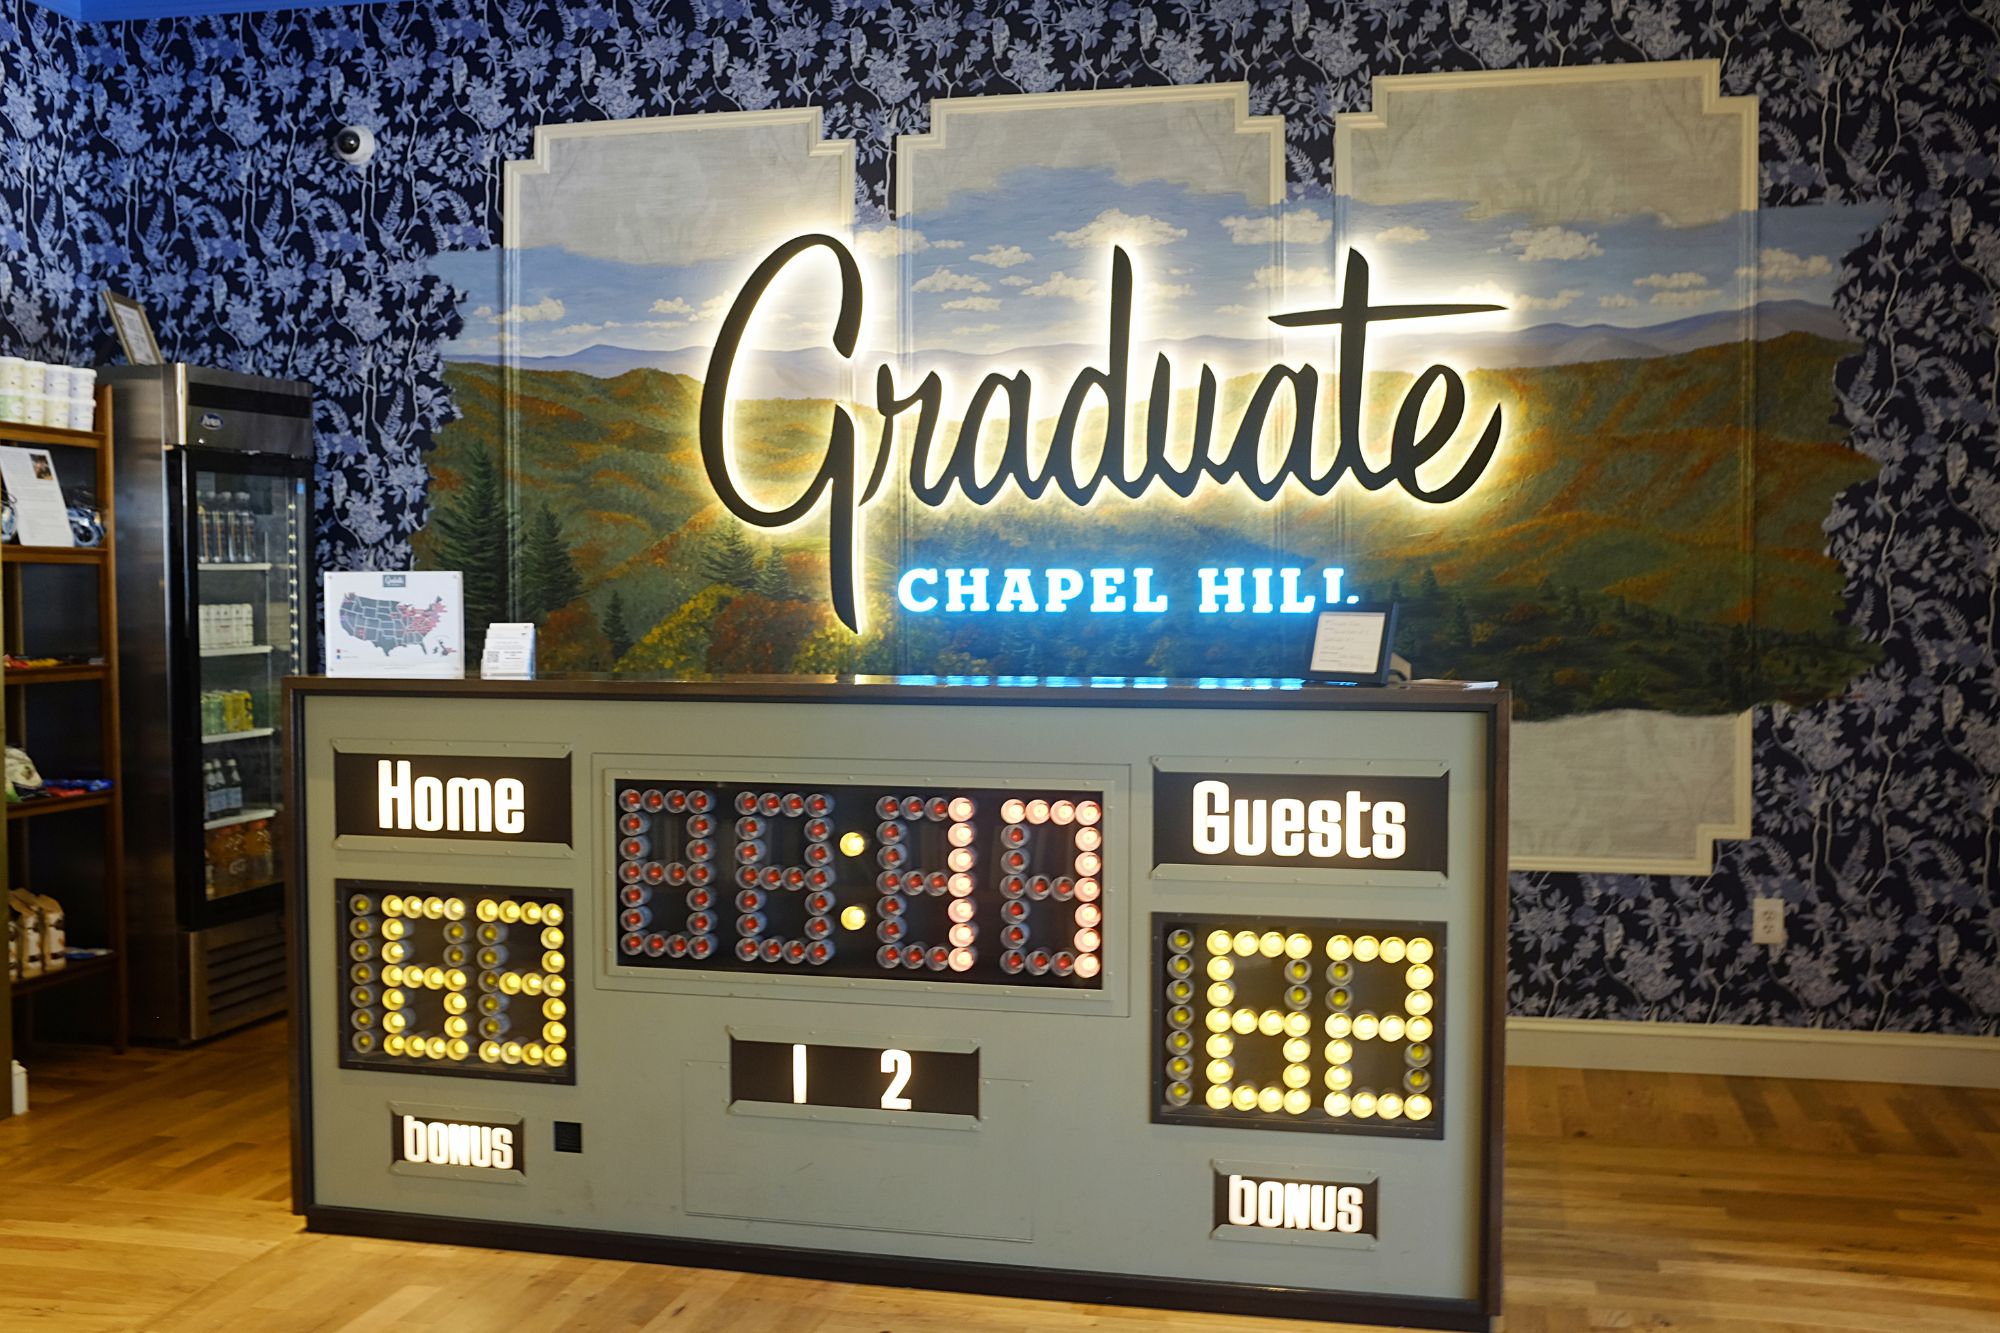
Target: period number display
(444, 979)
(962, 884)
(1327, 1026)
(887, 1078)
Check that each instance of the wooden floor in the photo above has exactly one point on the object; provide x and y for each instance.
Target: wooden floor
(148, 1191)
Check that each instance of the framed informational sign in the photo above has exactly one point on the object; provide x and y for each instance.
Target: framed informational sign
(395, 624)
(135, 331)
(1351, 646)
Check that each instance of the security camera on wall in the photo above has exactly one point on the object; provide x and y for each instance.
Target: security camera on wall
(354, 144)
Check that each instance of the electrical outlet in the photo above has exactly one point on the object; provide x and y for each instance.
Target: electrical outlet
(1767, 921)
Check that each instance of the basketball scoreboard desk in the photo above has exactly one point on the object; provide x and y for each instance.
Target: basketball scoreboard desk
(1178, 995)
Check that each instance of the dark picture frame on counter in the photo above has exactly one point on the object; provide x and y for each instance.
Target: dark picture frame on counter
(1353, 645)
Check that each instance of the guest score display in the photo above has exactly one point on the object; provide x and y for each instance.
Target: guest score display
(991, 886)
(1332, 1026)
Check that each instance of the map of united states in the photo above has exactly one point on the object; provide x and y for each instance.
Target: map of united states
(389, 625)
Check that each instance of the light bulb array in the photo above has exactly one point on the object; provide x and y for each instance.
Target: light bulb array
(448, 980)
(1318, 1025)
(733, 877)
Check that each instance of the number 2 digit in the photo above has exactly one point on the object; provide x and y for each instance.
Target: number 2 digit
(897, 1063)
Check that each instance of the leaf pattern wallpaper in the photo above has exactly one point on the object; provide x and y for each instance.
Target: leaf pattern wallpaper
(186, 162)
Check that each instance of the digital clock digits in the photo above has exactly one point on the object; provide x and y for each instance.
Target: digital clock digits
(444, 979)
(983, 886)
(1331, 1026)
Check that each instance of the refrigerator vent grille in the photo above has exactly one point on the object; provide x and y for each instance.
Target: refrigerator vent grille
(246, 979)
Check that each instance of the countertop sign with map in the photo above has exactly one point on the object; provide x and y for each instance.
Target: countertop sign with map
(406, 624)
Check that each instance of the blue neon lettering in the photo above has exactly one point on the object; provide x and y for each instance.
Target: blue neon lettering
(912, 577)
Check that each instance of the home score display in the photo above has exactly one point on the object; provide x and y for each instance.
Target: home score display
(1169, 995)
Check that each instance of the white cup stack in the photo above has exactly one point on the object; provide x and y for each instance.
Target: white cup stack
(34, 393)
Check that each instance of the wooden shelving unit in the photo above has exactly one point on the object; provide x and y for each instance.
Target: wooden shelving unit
(99, 816)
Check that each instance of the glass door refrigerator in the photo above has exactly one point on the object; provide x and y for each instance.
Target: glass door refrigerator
(215, 581)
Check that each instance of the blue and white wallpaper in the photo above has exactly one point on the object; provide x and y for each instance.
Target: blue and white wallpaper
(185, 162)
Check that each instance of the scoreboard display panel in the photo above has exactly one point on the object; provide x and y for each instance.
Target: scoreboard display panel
(1176, 995)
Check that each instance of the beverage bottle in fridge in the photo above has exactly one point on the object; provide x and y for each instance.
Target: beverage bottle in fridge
(261, 866)
(247, 532)
(209, 855)
(233, 788)
(201, 526)
(211, 785)
(228, 858)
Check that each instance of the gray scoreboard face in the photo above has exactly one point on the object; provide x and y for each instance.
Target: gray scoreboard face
(1184, 999)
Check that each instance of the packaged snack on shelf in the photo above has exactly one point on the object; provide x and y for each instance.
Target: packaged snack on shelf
(26, 910)
(55, 934)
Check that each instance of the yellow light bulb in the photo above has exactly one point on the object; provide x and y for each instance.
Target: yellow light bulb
(554, 1032)
(1298, 1025)
(1297, 946)
(1297, 1076)
(1417, 1106)
(510, 1053)
(1271, 1100)
(1364, 1104)
(1245, 944)
(391, 976)
(1339, 947)
(1298, 1101)
(1244, 1098)
(1220, 1045)
(554, 1009)
(510, 983)
(1244, 1021)
(434, 978)
(1418, 950)
(489, 1051)
(853, 844)
(454, 909)
(1270, 1022)
(393, 1045)
(532, 984)
(555, 1057)
(1392, 1028)
(1220, 1071)
(1221, 993)
(1221, 969)
(1366, 1027)
(532, 1053)
(854, 917)
(1366, 947)
(1218, 1098)
(454, 1003)
(1217, 1020)
(1340, 1078)
(552, 915)
(1389, 1106)
(1270, 944)
(1298, 1051)
(393, 999)
(554, 986)
(1417, 1002)
(1339, 1025)
(487, 910)
(552, 938)
(391, 905)
(531, 913)
(1392, 949)
(1339, 1052)
(1418, 977)
(510, 912)
(455, 1026)
(458, 1048)
(1418, 1029)
(1218, 942)
(1338, 1104)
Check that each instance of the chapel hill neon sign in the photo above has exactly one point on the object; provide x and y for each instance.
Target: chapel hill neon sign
(835, 482)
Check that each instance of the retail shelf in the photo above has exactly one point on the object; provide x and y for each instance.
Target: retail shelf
(50, 805)
(77, 969)
(240, 817)
(19, 432)
(225, 566)
(53, 674)
(243, 650)
(52, 555)
(223, 737)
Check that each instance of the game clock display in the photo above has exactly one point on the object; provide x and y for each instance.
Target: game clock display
(445, 979)
(988, 886)
(1325, 1026)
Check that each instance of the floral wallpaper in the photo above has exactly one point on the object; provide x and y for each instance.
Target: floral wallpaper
(185, 161)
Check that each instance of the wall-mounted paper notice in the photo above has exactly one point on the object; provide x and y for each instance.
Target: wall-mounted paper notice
(40, 516)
